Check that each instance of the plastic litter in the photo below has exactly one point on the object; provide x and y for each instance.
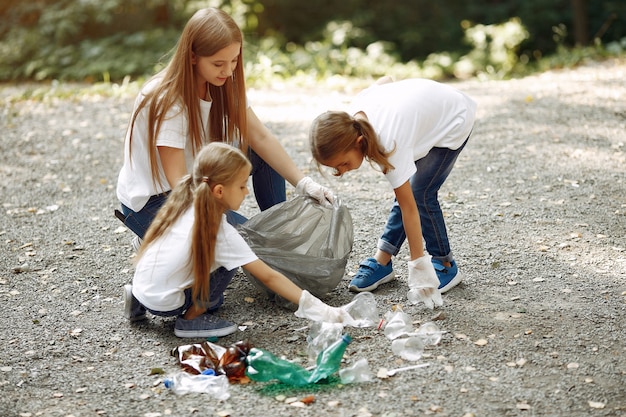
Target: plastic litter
(321, 335)
(200, 357)
(183, 383)
(397, 323)
(264, 366)
(363, 310)
(409, 348)
(356, 373)
(412, 346)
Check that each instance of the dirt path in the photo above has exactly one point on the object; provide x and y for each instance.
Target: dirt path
(536, 210)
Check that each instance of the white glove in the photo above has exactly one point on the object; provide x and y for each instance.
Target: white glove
(423, 283)
(306, 186)
(312, 308)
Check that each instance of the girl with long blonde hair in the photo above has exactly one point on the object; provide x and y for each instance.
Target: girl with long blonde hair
(199, 97)
(191, 253)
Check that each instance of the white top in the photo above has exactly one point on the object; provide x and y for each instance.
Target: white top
(414, 116)
(134, 183)
(164, 271)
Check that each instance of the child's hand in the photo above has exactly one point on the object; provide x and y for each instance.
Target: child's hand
(312, 308)
(423, 283)
(306, 186)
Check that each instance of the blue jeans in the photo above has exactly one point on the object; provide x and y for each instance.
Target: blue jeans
(219, 280)
(432, 171)
(269, 189)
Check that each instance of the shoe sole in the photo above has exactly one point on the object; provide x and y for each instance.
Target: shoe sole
(375, 285)
(455, 281)
(225, 331)
(128, 296)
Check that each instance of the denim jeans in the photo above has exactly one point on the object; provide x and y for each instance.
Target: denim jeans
(269, 189)
(432, 171)
(219, 280)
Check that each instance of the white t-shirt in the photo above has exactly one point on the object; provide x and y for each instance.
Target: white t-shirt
(414, 116)
(164, 271)
(134, 183)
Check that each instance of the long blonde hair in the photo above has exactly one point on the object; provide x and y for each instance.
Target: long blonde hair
(216, 163)
(336, 132)
(207, 32)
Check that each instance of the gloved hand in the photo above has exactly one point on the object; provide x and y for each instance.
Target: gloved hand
(423, 283)
(312, 308)
(306, 186)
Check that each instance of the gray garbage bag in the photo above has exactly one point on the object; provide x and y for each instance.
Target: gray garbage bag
(305, 241)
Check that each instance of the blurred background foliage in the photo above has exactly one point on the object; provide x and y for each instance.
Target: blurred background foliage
(115, 40)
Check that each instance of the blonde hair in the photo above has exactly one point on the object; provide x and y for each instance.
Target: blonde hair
(207, 32)
(216, 163)
(336, 132)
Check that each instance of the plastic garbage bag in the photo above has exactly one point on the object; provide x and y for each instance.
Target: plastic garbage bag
(307, 242)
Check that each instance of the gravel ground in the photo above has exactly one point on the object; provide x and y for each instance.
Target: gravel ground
(536, 210)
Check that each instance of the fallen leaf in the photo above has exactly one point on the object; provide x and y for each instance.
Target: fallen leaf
(308, 399)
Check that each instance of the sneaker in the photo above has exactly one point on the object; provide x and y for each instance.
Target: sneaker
(370, 275)
(449, 276)
(136, 243)
(206, 325)
(133, 310)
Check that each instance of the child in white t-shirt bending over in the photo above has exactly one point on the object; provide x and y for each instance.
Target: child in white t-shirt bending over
(191, 253)
(413, 131)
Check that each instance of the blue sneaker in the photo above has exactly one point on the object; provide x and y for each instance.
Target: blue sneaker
(370, 275)
(449, 276)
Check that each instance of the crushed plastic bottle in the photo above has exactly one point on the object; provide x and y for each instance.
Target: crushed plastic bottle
(183, 383)
(329, 360)
(408, 348)
(264, 366)
(363, 310)
(321, 335)
(397, 323)
(356, 373)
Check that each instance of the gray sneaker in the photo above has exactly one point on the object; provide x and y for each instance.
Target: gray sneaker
(133, 310)
(206, 325)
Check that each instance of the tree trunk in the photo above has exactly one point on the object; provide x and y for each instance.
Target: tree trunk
(580, 22)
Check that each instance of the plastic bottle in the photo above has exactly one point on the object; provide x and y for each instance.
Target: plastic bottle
(264, 366)
(329, 360)
(321, 335)
(409, 348)
(398, 323)
(358, 372)
(184, 382)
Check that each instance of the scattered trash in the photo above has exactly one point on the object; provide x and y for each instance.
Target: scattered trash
(357, 373)
(321, 335)
(392, 372)
(230, 361)
(397, 323)
(183, 383)
(264, 366)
